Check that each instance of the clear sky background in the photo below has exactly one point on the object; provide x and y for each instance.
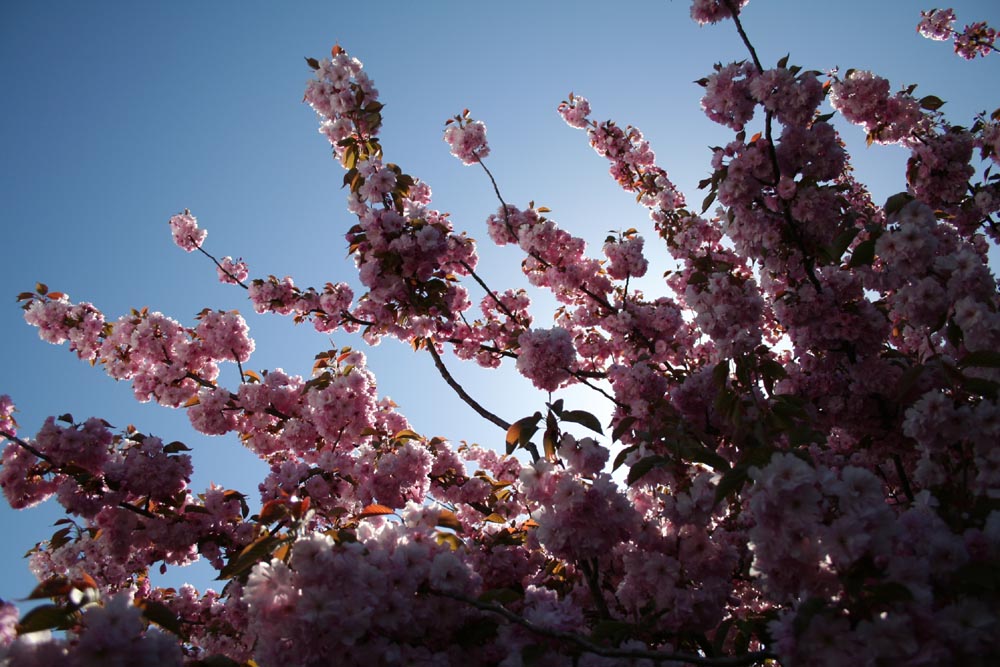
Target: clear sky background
(118, 114)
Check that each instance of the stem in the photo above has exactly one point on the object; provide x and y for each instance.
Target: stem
(768, 134)
(351, 318)
(237, 281)
(464, 395)
(898, 463)
(21, 443)
(743, 35)
(506, 216)
(581, 377)
(138, 510)
(243, 378)
(590, 573)
(492, 294)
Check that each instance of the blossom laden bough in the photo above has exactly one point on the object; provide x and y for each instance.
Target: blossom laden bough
(806, 420)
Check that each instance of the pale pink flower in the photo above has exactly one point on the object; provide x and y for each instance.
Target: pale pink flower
(187, 235)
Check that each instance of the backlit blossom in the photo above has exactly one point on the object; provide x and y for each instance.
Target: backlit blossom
(187, 235)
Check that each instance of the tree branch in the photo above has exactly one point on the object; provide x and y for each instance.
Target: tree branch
(492, 294)
(234, 278)
(610, 651)
(807, 261)
(464, 395)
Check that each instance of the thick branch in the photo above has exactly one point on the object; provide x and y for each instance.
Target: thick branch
(610, 651)
(464, 395)
(590, 572)
(23, 444)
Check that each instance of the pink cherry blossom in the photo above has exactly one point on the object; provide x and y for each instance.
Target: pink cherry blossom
(936, 24)
(187, 235)
(467, 139)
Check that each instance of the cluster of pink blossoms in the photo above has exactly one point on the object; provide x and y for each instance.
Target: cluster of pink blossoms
(467, 139)
(863, 98)
(115, 629)
(976, 39)
(232, 271)
(546, 357)
(713, 11)
(627, 260)
(187, 234)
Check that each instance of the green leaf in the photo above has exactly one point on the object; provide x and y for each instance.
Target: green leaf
(159, 613)
(45, 617)
(643, 466)
(611, 631)
(700, 454)
(840, 244)
(583, 418)
(931, 103)
(771, 371)
(733, 480)
(622, 427)
(864, 254)
(59, 538)
(520, 432)
(720, 373)
(896, 202)
(981, 359)
(981, 387)
(708, 201)
(252, 554)
(550, 445)
(175, 447)
(622, 455)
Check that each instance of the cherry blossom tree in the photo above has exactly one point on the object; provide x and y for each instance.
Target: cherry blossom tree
(801, 465)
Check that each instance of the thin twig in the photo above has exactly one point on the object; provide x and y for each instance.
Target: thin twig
(773, 154)
(581, 376)
(44, 457)
(510, 229)
(234, 278)
(492, 294)
(903, 480)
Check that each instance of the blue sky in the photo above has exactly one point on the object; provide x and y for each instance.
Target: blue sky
(119, 114)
